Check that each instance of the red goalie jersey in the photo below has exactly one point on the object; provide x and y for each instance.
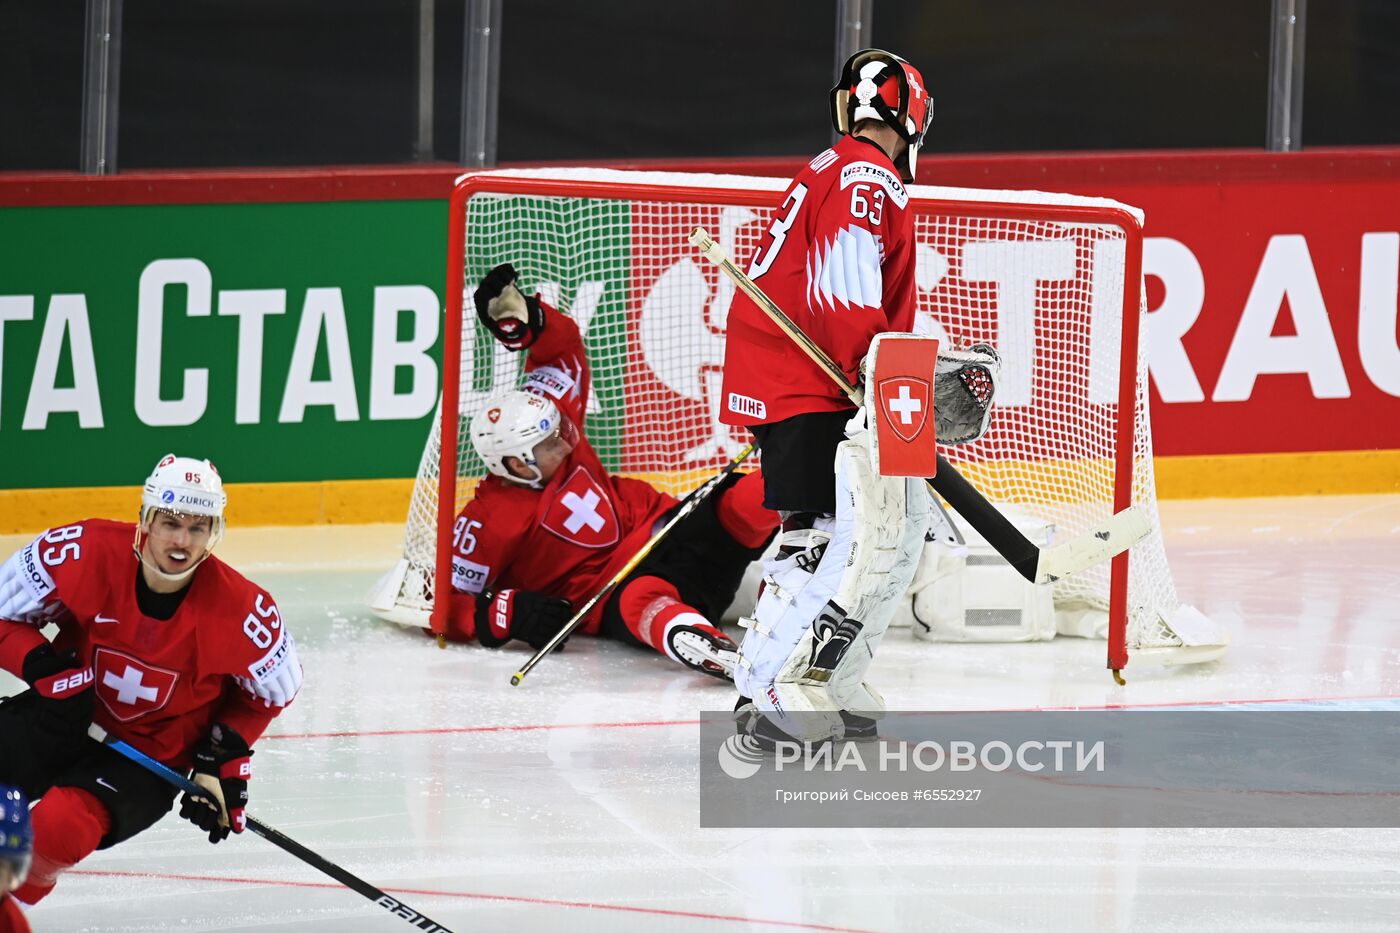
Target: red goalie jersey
(224, 656)
(838, 259)
(568, 538)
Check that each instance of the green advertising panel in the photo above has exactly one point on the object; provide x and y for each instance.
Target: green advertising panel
(575, 252)
(284, 342)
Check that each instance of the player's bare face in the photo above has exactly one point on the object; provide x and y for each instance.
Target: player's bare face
(175, 542)
(550, 454)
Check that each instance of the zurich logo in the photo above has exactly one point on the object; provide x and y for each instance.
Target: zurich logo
(544, 424)
(167, 496)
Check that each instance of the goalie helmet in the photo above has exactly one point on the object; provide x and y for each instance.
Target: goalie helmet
(512, 425)
(16, 835)
(876, 85)
(185, 486)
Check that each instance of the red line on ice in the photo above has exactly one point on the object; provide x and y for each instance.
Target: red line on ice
(648, 724)
(539, 901)
(459, 730)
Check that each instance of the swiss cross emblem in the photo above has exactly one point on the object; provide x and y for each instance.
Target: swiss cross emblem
(906, 403)
(493, 415)
(128, 687)
(582, 512)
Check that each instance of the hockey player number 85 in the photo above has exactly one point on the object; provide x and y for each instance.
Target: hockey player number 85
(66, 536)
(258, 633)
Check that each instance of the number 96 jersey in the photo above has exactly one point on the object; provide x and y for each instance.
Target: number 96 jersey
(838, 259)
(224, 656)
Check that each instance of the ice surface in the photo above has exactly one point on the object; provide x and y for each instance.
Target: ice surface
(571, 802)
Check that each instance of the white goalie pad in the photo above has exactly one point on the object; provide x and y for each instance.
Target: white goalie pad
(816, 626)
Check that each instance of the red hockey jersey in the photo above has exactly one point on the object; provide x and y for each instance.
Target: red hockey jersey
(570, 537)
(224, 656)
(838, 259)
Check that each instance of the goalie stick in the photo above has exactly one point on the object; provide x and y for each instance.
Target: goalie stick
(392, 904)
(687, 505)
(1036, 564)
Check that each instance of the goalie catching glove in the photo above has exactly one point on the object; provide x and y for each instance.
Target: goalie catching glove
(964, 383)
(512, 317)
(221, 769)
(534, 618)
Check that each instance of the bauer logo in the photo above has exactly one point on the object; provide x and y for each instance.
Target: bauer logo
(740, 757)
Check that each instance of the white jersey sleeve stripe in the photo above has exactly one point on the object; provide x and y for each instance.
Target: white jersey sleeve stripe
(276, 678)
(846, 271)
(27, 592)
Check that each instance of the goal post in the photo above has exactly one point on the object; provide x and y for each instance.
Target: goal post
(1053, 281)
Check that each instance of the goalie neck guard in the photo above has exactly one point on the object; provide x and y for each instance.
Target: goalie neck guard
(512, 425)
(182, 486)
(876, 85)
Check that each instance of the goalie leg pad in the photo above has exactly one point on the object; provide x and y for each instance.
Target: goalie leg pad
(805, 652)
(781, 615)
(901, 514)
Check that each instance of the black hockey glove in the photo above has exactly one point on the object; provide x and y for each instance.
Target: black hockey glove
(513, 318)
(64, 687)
(534, 618)
(222, 770)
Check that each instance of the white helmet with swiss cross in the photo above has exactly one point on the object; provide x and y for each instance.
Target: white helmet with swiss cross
(512, 424)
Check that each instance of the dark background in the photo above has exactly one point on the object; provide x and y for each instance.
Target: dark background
(210, 83)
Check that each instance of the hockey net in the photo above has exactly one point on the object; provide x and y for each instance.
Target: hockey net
(1054, 282)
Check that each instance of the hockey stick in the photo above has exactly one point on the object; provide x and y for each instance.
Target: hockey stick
(1036, 564)
(359, 886)
(687, 505)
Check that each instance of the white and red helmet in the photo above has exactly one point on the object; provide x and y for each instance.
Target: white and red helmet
(877, 85)
(183, 486)
(512, 424)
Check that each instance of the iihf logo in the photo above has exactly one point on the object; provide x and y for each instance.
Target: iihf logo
(740, 757)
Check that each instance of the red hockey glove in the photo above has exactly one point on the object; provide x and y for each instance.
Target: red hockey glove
(222, 771)
(64, 686)
(533, 618)
(513, 318)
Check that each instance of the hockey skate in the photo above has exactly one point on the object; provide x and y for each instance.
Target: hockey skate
(752, 723)
(702, 651)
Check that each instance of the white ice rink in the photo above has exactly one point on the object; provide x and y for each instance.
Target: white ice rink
(570, 803)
